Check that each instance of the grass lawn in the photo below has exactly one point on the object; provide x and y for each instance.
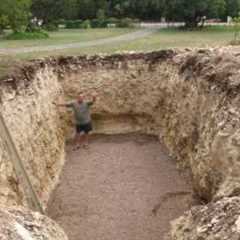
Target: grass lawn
(65, 36)
(162, 39)
(173, 38)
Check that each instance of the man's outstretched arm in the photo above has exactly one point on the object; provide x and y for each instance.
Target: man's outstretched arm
(90, 103)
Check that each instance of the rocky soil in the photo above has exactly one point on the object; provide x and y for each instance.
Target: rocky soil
(217, 220)
(18, 223)
(122, 187)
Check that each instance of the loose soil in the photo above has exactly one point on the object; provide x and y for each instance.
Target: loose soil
(122, 187)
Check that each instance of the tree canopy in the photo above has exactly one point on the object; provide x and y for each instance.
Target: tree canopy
(16, 13)
(192, 12)
(189, 11)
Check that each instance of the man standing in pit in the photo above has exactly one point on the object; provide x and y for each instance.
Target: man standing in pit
(83, 121)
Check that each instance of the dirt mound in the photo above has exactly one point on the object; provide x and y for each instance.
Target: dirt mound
(20, 223)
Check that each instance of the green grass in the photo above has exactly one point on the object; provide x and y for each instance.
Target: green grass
(162, 39)
(27, 35)
(169, 38)
(65, 36)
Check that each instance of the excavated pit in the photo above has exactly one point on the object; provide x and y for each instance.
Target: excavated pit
(188, 99)
(122, 187)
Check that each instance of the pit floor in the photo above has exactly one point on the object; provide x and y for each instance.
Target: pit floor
(122, 187)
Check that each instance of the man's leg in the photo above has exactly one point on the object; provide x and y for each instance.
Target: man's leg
(82, 135)
(78, 141)
(81, 139)
(86, 140)
(76, 137)
(87, 130)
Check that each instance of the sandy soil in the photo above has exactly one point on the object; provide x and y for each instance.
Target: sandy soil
(122, 187)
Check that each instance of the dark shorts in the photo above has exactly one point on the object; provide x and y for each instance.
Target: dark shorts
(84, 128)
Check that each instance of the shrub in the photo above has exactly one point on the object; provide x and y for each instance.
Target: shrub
(51, 27)
(61, 22)
(71, 24)
(99, 23)
(113, 20)
(86, 24)
(33, 27)
(125, 23)
(78, 23)
(95, 23)
(27, 35)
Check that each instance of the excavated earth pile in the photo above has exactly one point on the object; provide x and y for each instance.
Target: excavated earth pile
(189, 99)
(20, 223)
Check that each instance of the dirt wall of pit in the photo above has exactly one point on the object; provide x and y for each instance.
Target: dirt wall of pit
(35, 126)
(189, 99)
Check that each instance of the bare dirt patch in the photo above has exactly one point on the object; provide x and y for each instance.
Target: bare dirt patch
(122, 187)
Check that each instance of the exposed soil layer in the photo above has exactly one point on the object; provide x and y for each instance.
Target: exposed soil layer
(122, 187)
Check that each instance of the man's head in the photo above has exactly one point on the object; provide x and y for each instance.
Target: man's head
(80, 99)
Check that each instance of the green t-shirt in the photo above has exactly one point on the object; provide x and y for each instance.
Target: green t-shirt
(81, 112)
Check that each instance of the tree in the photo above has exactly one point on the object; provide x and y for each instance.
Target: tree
(232, 8)
(16, 13)
(70, 9)
(87, 9)
(3, 22)
(101, 4)
(189, 11)
(192, 12)
(118, 8)
(48, 10)
(51, 10)
(216, 8)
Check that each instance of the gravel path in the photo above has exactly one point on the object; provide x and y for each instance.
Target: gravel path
(119, 39)
(123, 187)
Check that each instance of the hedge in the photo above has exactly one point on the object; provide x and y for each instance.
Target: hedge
(99, 23)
